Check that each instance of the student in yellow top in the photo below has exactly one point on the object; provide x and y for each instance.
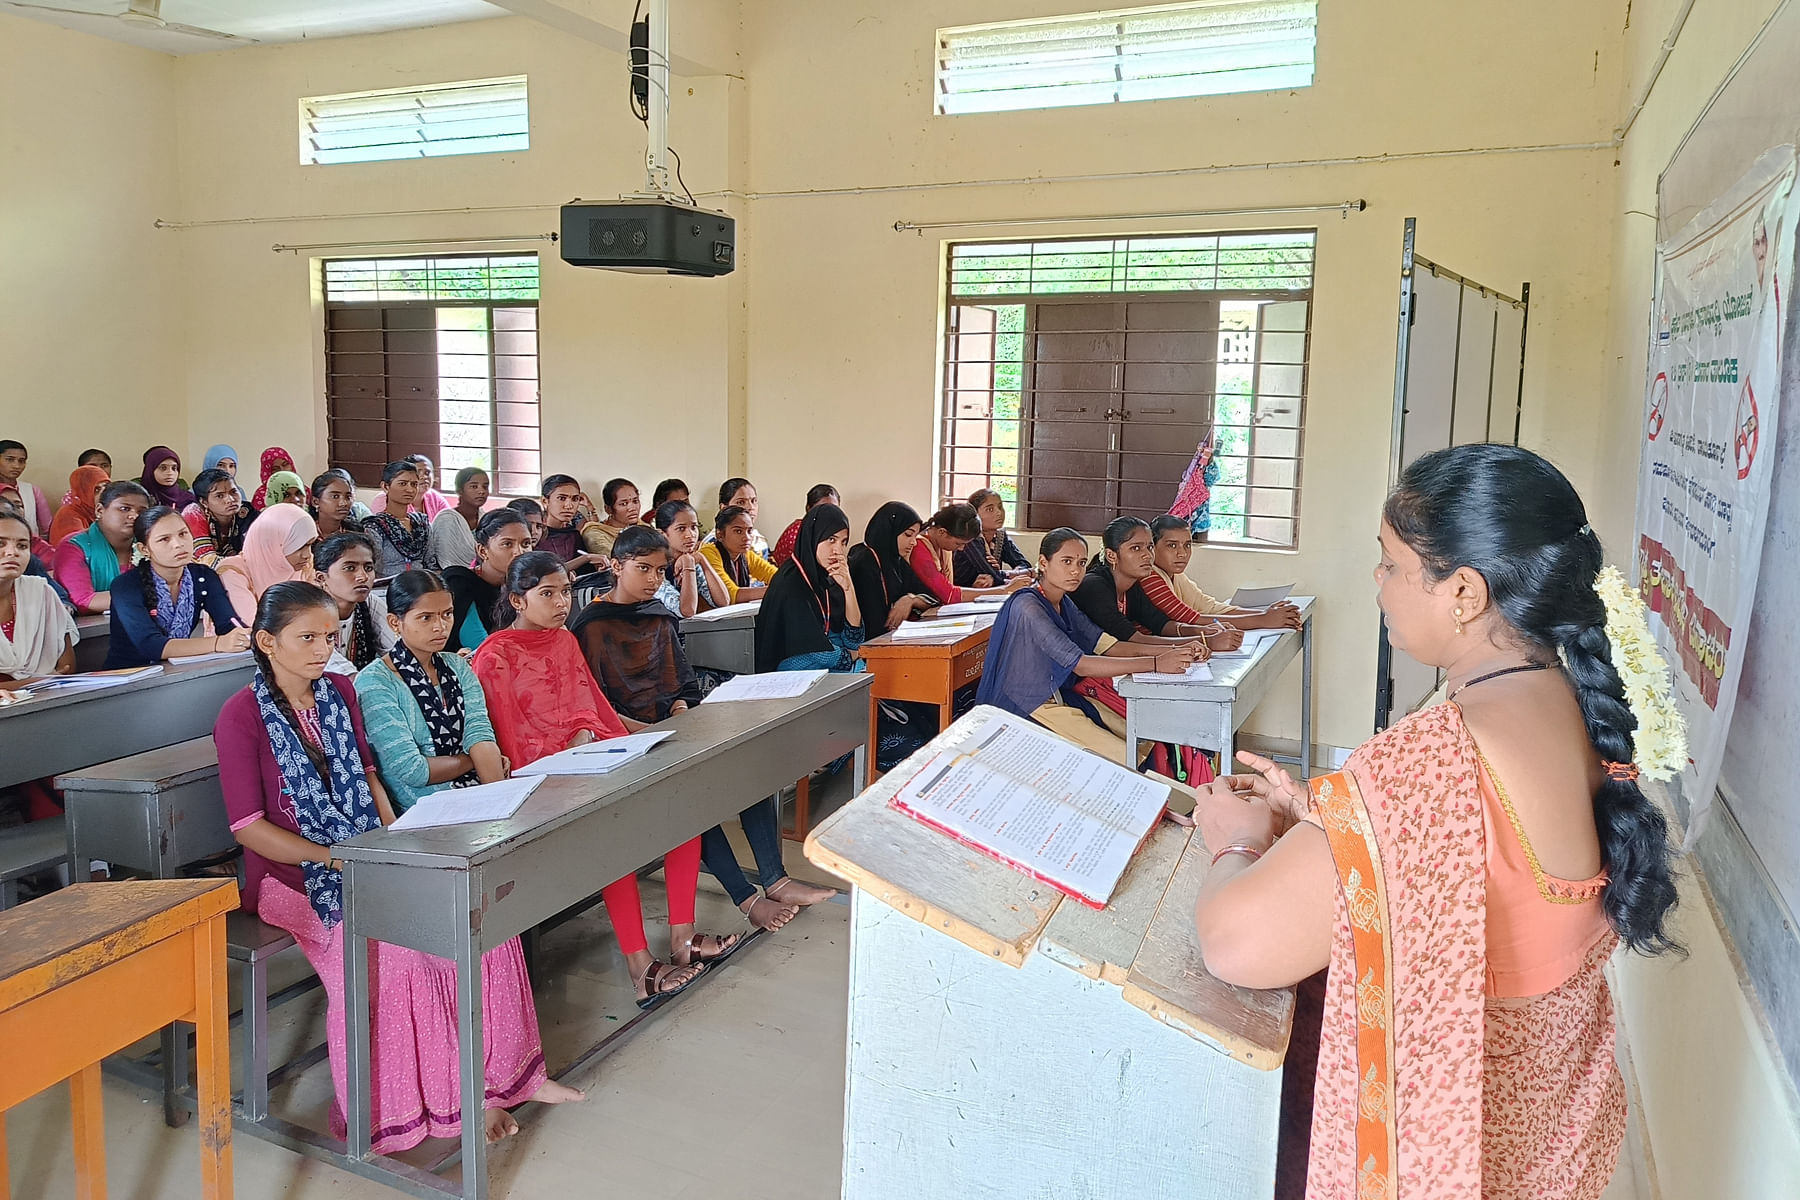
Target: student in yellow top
(624, 505)
(746, 573)
(1172, 549)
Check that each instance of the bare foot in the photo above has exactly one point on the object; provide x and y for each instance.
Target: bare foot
(766, 914)
(558, 1093)
(789, 890)
(500, 1124)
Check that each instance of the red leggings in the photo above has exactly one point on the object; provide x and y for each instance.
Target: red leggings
(681, 875)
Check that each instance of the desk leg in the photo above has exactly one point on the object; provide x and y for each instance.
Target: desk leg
(872, 771)
(90, 1133)
(174, 1075)
(356, 1023)
(862, 766)
(212, 1059)
(1131, 738)
(1227, 739)
(5, 1174)
(1306, 699)
(472, 1053)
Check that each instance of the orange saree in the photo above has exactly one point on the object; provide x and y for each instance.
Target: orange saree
(1427, 1086)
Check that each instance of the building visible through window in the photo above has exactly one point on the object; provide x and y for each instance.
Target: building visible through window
(1081, 376)
(434, 356)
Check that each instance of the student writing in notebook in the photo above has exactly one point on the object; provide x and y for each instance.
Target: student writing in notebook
(946, 535)
(169, 606)
(633, 646)
(992, 557)
(1169, 588)
(1043, 649)
(1111, 597)
(424, 710)
(542, 698)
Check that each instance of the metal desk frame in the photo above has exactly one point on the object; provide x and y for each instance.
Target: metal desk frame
(460, 891)
(1196, 714)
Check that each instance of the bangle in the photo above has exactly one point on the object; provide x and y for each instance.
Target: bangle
(1245, 848)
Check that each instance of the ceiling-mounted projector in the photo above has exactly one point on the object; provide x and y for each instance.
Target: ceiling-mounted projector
(656, 232)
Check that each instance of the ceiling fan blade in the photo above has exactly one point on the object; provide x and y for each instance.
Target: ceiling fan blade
(196, 31)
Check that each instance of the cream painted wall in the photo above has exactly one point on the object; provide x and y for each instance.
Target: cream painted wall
(87, 161)
(1714, 1102)
(634, 368)
(843, 312)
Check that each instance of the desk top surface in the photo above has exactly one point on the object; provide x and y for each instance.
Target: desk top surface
(76, 931)
(731, 622)
(1143, 941)
(942, 644)
(1229, 673)
(701, 732)
(172, 675)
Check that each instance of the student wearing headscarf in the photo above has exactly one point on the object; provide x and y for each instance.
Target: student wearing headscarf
(285, 487)
(273, 459)
(277, 548)
(162, 479)
(888, 590)
(223, 458)
(81, 506)
(809, 619)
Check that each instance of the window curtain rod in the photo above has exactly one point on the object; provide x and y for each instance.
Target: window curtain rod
(387, 243)
(1343, 208)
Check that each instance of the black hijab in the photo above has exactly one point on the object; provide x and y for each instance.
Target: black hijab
(802, 606)
(877, 568)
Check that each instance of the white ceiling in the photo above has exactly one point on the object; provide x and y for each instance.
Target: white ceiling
(261, 21)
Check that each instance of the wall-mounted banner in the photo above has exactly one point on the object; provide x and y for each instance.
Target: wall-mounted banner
(1709, 437)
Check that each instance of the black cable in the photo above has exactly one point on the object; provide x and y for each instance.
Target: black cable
(681, 181)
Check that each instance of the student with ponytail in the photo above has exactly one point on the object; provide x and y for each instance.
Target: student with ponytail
(1468, 873)
(169, 605)
(299, 776)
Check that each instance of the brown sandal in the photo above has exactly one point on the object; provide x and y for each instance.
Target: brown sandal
(696, 950)
(651, 981)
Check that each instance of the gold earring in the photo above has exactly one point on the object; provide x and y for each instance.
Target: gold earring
(1459, 624)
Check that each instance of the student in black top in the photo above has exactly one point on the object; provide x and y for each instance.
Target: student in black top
(992, 557)
(1110, 597)
(888, 590)
(158, 605)
(500, 537)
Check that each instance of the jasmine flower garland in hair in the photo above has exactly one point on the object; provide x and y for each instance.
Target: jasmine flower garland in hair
(1660, 743)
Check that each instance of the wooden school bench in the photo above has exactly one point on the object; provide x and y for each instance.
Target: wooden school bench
(33, 849)
(85, 972)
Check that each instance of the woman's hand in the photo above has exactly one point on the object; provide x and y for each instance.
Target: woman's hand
(839, 572)
(1227, 814)
(683, 563)
(582, 737)
(1175, 660)
(1225, 639)
(680, 706)
(1273, 786)
(232, 641)
(903, 608)
(1019, 584)
(982, 581)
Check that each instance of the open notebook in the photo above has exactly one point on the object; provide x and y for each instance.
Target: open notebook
(1026, 797)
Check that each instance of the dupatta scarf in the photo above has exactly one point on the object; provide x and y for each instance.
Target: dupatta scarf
(277, 533)
(540, 693)
(78, 511)
(1426, 1087)
(42, 627)
(273, 459)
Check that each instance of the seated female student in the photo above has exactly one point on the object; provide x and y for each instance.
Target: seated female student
(286, 487)
(810, 619)
(430, 502)
(216, 517)
(533, 512)
(501, 537)
(88, 562)
(273, 459)
(741, 493)
(888, 590)
(162, 479)
(299, 776)
(425, 713)
(819, 493)
(400, 533)
(34, 506)
(691, 584)
(632, 643)
(623, 508)
(542, 699)
(333, 496)
(561, 532)
(667, 490)
(1112, 599)
(745, 572)
(1169, 588)
(344, 565)
(992, 557)
(277, 548)
(452, 540)
(81, 504)
(1043, 646)
(169, 605)
(950, 529)
(223, 458)
(37, 634)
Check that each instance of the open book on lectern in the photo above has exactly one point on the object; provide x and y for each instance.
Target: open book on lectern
(1039, 804)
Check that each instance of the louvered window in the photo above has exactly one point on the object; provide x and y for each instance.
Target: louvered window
(477, 116)
(1081, 377)
(434, 356)
(1207, 48)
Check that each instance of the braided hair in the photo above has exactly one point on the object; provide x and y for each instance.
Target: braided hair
(281, 603)
(140, 535)
(1512, 517)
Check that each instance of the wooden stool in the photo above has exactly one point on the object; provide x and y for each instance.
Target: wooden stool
(85, 972)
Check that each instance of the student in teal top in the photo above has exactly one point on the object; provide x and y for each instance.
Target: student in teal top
(423, 710)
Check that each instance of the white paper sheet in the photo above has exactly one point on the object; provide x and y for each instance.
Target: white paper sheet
(183, 659)
(464, 806)
(597, 758)
(960, 627)
(771, 685)
(1254, 640)
(729, 610)
(1260, 597)
(1196, 673)
(986, 607)
(89, 681)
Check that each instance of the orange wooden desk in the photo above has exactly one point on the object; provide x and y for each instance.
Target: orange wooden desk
(925, 670)
(87, 971)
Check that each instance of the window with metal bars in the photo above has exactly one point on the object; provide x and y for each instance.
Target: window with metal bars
(475, 116)
(434, 356)
(1083, 376)
(1202, 48)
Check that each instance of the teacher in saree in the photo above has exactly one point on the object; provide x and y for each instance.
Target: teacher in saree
(1469, 871)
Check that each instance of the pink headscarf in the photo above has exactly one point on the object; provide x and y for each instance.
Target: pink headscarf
(273, 459)
(277, 533)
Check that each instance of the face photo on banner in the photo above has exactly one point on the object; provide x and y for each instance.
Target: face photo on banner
(1712, 403)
